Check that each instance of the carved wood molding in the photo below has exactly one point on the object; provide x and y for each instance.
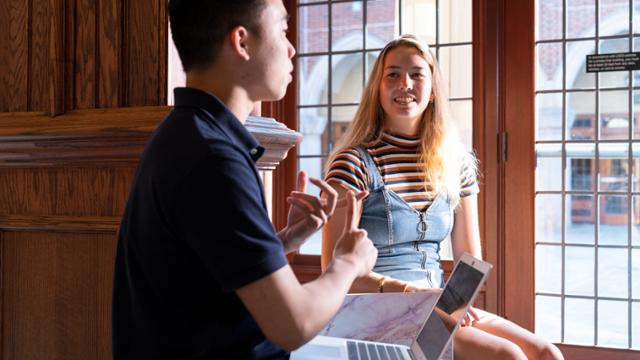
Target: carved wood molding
(109, 137)
(275, 137)
(75, 224)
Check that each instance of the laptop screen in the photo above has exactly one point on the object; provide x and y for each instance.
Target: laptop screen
(449, 310)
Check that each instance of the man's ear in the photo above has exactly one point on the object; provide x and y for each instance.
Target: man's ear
(239, 44)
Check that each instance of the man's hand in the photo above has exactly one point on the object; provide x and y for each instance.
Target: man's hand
(354, 245)
(307, 213)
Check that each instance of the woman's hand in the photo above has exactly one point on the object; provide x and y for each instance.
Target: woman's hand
(470, 317)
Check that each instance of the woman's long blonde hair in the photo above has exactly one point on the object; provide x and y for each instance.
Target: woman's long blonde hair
(442, 153)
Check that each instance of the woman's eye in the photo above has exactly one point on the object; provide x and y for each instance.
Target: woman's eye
(392, 75)
(417, 76)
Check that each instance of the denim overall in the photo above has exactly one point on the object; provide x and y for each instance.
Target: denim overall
(408, 240)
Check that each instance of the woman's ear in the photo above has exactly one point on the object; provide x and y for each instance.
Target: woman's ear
(238, 37)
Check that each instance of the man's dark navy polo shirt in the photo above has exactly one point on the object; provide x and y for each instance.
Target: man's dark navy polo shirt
(195, 229)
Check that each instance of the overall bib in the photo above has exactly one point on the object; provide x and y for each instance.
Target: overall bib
(408, 240)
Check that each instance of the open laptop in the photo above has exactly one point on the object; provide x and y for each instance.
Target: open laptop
(435, 334)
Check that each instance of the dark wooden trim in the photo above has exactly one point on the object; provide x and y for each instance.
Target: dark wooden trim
(517, 105)
(24, 125)
(69, 59)
(575, 352)
(74, 224)
(109, 136)
(57, 61)
(2, 309)
(485, 130)
(78, 138)
(163, 57)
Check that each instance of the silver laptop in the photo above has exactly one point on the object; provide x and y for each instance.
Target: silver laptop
(435, 334)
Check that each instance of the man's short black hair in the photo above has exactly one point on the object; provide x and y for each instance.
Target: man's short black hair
(199, 26)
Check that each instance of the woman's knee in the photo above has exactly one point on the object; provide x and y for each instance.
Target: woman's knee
(510, 351)
(549, 352)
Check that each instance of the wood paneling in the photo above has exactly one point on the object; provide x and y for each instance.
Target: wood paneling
(39, 56)
(57, 295)
(57, 59)
(85, 55)
(68, 151)
(14, 57)
(109, 38)
(144, 33)
(65, 191)
(64, 55)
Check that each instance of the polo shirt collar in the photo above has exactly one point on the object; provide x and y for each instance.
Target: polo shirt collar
(232, 127)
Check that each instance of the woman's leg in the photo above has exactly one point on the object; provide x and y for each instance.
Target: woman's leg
(472, 343)
(534, 347)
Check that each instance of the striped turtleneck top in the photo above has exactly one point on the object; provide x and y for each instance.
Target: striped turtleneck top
(397, 160)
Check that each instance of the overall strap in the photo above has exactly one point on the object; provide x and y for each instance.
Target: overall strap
(375, 179)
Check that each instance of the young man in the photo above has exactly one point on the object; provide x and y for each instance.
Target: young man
(200, 272)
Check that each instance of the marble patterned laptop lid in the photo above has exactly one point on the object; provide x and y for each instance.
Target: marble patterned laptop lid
(394, 318)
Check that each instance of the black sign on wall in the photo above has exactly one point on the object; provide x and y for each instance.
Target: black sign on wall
(613, 62)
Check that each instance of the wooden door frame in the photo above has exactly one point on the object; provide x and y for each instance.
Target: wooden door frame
(517, 205)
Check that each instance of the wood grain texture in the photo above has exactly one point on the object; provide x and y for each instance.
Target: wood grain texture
(56, 295)
(142, 56)
(94, 138)
(49, 193)
(91, 138)
(14, 55)
(109, 28)
(39, 56)
(57, 58)
(163, 51)
(85, 55)
(69, 20)
(73, 224)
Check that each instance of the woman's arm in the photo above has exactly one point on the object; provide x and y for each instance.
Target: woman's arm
(332, 231)
(465, 236)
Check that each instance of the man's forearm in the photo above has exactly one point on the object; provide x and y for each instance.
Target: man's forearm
(284, 235)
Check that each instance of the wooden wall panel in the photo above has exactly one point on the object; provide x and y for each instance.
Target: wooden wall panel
(144, 33)
(109, 29)
(14, 62)
(85, 55)
(60, 55)
(39, 56)
(65, 191)
(77, 269)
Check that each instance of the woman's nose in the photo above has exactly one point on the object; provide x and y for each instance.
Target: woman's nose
(405, 82)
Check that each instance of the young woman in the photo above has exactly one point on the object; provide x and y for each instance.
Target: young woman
(402, 148)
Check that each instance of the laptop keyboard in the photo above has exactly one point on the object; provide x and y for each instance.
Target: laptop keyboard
(365, 351)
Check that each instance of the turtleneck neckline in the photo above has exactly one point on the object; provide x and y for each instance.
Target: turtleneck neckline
(399, 140)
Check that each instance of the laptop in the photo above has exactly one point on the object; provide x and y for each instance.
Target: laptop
(435, 334)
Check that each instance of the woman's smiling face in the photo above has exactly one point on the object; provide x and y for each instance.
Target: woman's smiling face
(405, 89)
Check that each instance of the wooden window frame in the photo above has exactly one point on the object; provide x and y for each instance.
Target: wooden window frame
(516, 118)
(307, 267)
